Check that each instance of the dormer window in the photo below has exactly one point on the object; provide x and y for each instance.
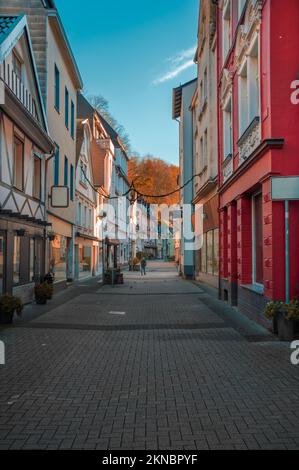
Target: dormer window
(17, 65)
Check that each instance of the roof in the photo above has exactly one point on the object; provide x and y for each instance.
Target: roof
(98, 155)
(11, 30)
(79, 138)
(7, 24)
(65, 45)
(177, 98)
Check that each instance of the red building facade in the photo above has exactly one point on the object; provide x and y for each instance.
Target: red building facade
(258, 59)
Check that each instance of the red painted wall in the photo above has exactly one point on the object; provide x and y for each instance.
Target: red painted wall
(279, 66)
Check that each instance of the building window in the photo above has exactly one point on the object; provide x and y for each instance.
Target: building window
(72, 120)
(2, 262)
(90, 218)
(66, 99)
(72, 182)
(32, 259)
(257, 239)
(241, 5)
(204, 254)
(226, 29)
(16, 260)
(17, 65)
(18, 164)
(80, 214)
(210, 253)
(249, 89)
(57, 88)
(66, 171)
(56, 166)
(36, 190)
(83, 173)
(227, 129)
(205, 148)
(58, 256)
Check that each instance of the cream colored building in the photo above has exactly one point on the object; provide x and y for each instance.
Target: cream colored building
(60, 81)
(204, 106)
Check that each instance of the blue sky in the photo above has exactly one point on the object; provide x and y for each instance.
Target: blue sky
(133, 52)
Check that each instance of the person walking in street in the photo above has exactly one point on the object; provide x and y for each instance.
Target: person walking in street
(142, 267)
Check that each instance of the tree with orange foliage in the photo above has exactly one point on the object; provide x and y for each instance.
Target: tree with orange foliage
(154, 176)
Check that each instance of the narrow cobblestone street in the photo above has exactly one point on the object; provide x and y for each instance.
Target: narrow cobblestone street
(152, 364)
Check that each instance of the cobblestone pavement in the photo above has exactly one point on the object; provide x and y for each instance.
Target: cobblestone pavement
(146, 365)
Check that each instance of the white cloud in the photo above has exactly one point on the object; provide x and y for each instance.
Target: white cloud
(180, 62)
(174, 73)
(185, 54)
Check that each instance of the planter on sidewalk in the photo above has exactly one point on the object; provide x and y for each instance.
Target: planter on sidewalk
(8, 306)
(285, 319)
(43, 292)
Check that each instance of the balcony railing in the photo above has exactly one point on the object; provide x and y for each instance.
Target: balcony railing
(249, 140)
(105, 144)
(8, 75)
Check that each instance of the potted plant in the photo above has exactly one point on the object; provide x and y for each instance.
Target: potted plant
(285, 318)
(8, 306)
(41, 293)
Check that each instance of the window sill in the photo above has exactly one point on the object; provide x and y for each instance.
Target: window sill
(256, 288)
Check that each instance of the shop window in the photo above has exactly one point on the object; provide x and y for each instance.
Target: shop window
(18, 164)
(36, 191)
(58, 257)
(210, 252)
(257, 239)
(16, 260)
(84, 260)
(32, 259)
(204, 254)
(2, 262)
(216, 253)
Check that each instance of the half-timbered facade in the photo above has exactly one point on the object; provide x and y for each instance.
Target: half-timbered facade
(25, 150)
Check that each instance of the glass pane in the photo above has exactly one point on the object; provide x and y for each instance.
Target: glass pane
(18, 164)
(216, 253)
(32, 259)
(58, 257)
(1, 264)
(16, 260)
(258, 233)
(210, 252)
(204, 254)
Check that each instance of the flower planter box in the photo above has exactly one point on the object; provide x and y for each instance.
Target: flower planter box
(6, 318)
(286, 329)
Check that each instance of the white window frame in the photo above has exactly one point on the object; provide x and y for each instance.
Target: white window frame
(226, 29)
(249, 88)
(228, 149)
(241, 5)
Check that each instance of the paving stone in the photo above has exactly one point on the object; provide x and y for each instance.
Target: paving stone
(169, 374)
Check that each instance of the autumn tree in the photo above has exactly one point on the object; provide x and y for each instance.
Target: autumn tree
(153, 176)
